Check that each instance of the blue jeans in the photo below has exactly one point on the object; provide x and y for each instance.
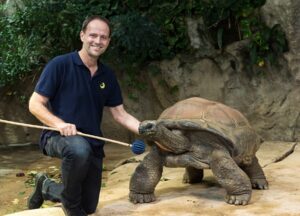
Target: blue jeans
(81, 174)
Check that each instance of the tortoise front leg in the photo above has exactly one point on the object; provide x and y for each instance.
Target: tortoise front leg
(231, 177)
(256, 175)
(146, 177)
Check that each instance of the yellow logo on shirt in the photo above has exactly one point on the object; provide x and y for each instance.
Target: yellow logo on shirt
(102, 85)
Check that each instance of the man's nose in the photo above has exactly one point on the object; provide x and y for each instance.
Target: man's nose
(98, 40)
(101, 38)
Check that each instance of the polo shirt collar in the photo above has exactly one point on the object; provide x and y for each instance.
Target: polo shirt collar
(76, 58)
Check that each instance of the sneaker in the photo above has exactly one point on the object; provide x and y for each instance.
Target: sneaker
(36, 198)
(73, 211)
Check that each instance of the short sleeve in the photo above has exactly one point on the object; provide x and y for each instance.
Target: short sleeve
(49, 80)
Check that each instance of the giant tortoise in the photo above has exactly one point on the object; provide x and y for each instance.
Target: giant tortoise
(200, 134)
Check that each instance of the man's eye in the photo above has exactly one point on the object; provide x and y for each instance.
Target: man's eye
(103, 37)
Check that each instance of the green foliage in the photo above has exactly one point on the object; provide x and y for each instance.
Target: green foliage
(215, 11)
(136, 39)
(142, 31)
(240, 20)
(34, 34)
(40, 30)
(266, 44)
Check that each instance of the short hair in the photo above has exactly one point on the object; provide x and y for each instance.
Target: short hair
(94, 17)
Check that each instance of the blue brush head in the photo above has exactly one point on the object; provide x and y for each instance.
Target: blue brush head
(138, 147)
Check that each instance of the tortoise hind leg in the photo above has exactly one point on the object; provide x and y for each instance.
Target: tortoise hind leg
(192, 175)
(231, 177)
(256, 175)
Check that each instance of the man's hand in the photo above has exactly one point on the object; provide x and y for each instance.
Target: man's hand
(66, 129)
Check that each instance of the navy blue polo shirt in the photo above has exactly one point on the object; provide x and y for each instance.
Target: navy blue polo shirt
(77, 97)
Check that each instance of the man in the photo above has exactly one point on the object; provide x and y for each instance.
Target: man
(70, 96)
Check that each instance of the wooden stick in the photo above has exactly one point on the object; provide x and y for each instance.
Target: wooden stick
(55, 129)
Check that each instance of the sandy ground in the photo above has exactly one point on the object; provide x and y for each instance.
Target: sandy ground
(14, 190)
(207, 198)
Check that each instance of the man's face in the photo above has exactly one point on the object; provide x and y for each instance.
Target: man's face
(95, 39)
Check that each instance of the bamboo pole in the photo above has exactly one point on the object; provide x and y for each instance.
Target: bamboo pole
(55, 129)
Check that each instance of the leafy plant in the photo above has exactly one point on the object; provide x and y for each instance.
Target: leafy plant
(232, 20)
(40, 30)
(30, 39)
(136, 39)
(143, 31)
(266, 44)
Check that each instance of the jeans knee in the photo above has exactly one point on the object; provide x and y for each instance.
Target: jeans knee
(78, 149)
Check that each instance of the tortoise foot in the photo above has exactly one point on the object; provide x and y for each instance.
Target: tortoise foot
(141, 198)
(242, 199)
(261, 184)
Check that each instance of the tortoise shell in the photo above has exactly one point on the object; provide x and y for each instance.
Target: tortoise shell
(201, 114)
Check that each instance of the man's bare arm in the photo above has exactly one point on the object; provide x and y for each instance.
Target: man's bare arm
(38, 107)
(125, 119)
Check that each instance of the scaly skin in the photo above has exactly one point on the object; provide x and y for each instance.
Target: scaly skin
(195, 151)
(256, 175)
(146, 177)
(174, 142)
(231, 177)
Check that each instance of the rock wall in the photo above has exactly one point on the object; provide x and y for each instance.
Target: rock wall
(286, 13)
(270, 102)
(270, 99)
(13, 107)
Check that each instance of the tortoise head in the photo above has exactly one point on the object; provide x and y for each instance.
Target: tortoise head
(148, 129)
(164, 138)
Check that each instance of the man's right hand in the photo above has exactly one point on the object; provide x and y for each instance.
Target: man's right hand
(66, 129)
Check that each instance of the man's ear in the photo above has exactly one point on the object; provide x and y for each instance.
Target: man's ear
(81, 35)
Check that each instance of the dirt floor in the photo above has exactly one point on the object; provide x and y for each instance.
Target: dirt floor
(16, 161)
(280, 161)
